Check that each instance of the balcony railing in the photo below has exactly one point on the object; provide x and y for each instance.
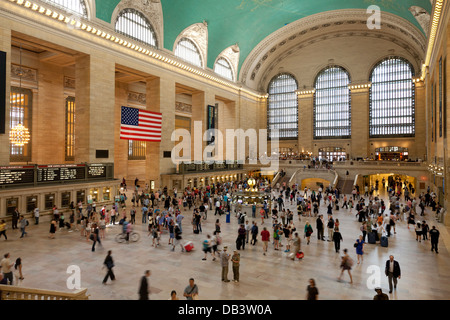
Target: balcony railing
(20, 293)
(184, 168)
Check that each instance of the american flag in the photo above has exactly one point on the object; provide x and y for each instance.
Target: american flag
(142, 125)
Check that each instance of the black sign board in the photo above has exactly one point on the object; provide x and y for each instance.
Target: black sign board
(16, 175)
(96, 171)
(59, 173)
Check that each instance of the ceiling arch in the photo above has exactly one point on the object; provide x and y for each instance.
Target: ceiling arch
(248, 22)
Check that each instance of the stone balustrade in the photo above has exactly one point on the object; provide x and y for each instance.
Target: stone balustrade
(20, 293)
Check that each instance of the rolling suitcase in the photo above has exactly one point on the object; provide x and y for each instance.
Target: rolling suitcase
(372, 237)
(196, 231)
(384, 241)
(188, 246)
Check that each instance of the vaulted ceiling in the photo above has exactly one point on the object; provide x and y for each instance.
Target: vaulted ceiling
(248, 22)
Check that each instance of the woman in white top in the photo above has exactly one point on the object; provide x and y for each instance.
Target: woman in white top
(419, 232)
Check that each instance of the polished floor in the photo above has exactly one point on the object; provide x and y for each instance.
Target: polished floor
(425, 275)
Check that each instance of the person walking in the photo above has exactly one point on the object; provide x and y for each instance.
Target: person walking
(418, 230)
(330, 226)
(359, 245)
(380, 295)
(224, 259)
(319, 227)
(308, 231)
(191, 291)
(337, 238)
(23, 224)
(7, 265)
(393, 272)
(18, 271)
(265, 237)
(15, 218)
(241, 236)
(312, 291)
(36, 215)
(346, 265)
(207, 247)
(254, 231)
(434, 237)
(94, 236)
(235, 259)
(144, 288)
(52, 229)
(3, 229)
(296, 245)
(109, 264)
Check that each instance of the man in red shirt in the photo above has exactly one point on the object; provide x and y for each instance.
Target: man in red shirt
(265, 239)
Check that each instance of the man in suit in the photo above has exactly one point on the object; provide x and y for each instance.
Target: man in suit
(319, 226)
(434, 235)
(392, 271)
(143, 289)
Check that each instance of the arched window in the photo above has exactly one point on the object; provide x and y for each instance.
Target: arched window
(223, 68)
(392, 105)
(187, 50)
(332, 113)
(282, 107)
(74, 6)
(135, 25)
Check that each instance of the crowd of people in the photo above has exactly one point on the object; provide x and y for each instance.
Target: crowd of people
(164, 212)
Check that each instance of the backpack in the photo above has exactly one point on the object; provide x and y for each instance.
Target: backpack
(27, 223)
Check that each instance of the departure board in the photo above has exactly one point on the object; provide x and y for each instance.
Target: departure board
(16, 175)
(55, 173)
(96, 171)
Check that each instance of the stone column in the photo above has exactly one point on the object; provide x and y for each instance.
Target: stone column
(421, 124)
(305, 123)
(94, 129)
(360, 123)
(120, 145)
(5, 45)
(161, 98)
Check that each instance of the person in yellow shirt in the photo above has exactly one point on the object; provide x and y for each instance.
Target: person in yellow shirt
(3, 229)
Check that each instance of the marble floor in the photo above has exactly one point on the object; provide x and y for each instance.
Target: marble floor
(425, 275)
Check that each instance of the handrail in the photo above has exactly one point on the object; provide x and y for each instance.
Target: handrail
(20, 293)
(356, 180)
(275, 179)
(336, 178)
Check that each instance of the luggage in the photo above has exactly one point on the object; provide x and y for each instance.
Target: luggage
(372, 237)
(188, 246)
(67, 225)
(196, 231)
(300, 255)
(337, 208)
(121, 221)
(384, 241)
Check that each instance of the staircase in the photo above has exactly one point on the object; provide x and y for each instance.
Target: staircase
(345, 185)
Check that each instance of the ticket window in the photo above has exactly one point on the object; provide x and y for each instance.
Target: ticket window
(106, 193)
(81, 196)
(11, 205)
(65, 199)
(93, 193)
(49, 201)
(31, 203)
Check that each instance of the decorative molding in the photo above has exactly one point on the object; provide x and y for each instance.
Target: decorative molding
(198, 33)
(69, 83)
(183, 107)
(313, 27)
(231, 54)
(24, 73)
(422, 17)
(151, 9)
(137, 97)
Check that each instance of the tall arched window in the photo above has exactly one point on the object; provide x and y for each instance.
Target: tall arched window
(392, 105)
(187, 50)
(282, 107)
(332, 112)
(223, 68)
(74, 6)
(134, 24)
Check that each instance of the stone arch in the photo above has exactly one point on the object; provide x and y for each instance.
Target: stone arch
(197, 33)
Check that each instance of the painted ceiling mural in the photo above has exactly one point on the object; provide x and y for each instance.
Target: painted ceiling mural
(247, 22)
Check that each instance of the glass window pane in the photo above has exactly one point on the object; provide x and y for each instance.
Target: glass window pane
(135, 25)
(392, 104)
(223, 68)
(73, 6)
(282, 107)
(187, 50)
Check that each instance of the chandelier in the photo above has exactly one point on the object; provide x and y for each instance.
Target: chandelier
(19, 135)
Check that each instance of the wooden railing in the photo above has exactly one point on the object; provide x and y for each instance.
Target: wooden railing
(20, 293)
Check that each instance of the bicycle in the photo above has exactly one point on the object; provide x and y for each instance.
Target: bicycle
(122, 237)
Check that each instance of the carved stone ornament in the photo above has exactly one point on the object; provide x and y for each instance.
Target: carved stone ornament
(232, 55)
(69, 83)
(27, 74)
(183, 107)
(137, 97)
(198, 33)
(422, 16)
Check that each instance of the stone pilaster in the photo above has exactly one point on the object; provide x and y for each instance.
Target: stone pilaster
(360, 123)
(5, 45)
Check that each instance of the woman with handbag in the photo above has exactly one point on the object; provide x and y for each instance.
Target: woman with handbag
(359, 245)
(308, 231)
